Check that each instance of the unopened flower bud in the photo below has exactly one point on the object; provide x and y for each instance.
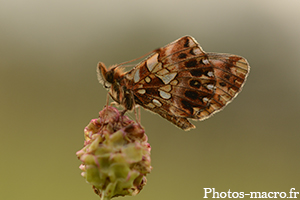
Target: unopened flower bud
(116, 156)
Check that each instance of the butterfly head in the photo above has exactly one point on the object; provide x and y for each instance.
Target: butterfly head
(110, 79)
(106, 76)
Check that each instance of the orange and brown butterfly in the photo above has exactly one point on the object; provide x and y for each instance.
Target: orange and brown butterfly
(178, 81)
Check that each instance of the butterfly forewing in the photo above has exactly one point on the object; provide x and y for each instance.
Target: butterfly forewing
(181, 81)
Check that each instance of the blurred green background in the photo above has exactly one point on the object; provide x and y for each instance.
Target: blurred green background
(49, 92)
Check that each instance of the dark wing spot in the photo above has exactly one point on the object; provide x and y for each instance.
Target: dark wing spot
(187, 105)
(201, 71)
(222, 84)
(191, 95)
(228, 65)
(152, 92)
(227, 76)
(195, 84)
(182, 55)
(186, 44)
(197, 72)
(191, 63)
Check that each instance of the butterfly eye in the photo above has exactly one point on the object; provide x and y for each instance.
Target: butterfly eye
(109, 76)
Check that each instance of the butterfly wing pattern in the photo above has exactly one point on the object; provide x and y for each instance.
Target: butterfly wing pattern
(178, 81)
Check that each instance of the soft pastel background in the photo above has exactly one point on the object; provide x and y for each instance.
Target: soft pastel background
(49, 92)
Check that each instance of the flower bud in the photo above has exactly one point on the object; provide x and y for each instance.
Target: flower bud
(116, 156)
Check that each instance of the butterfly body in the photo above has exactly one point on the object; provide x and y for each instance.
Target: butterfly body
(178, 81)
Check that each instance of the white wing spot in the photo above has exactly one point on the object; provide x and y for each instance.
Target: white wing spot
(150, 105)
(162, 72)
(210, 86)
(139, 85)
(166, 88)
(191, 42)
(205, 99)
(174, 82)
(167, 78)
(205, 61)
(164, 94)
(142, 91)
(148, 79)
(136, 76)
(157, 68)
(210, 74)
(197, 51)
(152, 61)
(156, 102)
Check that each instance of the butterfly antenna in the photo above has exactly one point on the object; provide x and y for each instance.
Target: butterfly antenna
(126, 62)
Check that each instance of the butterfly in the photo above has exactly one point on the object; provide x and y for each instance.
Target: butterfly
(178, 81)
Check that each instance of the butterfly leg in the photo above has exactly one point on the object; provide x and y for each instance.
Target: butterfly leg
(107, 99)
(122, 113)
